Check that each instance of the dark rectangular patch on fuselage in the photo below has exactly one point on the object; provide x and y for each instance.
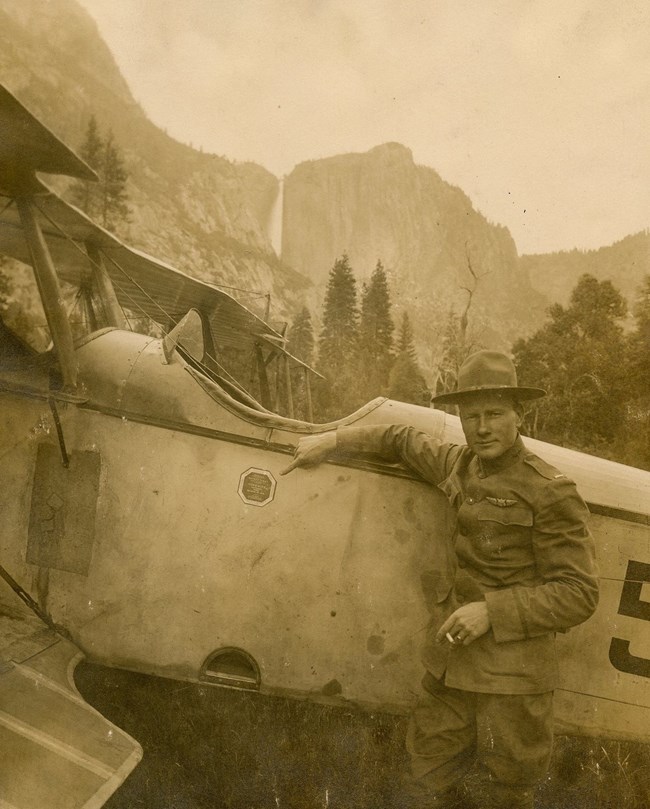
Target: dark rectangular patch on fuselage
(64, 502)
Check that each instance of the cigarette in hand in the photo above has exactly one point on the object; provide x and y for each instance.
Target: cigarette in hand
(449, 638)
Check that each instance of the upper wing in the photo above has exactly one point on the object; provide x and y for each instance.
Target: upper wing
(142, 283)
(27, 146)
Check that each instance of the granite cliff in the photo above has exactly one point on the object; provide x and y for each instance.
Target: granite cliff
(381, 205)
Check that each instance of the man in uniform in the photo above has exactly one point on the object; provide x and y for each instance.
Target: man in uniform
(525, 569)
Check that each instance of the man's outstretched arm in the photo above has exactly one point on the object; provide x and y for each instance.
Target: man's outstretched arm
(424, 455)
(312, 450)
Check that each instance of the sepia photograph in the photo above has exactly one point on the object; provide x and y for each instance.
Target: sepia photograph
(324, 404)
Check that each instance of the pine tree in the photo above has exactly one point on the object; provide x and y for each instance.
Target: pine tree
(376, 334)
(87, 193)
(301, 336)
(406, 381)
(115, 210)
(105, 200)
(338, 343)
(405, 338)
(301, 345)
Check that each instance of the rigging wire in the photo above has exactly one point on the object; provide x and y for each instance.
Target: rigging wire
(256, 292)
(138, 306)
(175, 322)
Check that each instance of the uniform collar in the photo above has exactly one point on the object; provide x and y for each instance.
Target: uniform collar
(507, 459)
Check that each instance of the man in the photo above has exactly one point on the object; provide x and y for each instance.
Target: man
(525, 570)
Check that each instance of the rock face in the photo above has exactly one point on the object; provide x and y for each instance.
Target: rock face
(200, 212)
(381, 205)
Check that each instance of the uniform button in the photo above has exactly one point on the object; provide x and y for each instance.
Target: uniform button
(470, 500)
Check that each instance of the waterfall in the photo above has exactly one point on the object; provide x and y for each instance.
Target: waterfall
(275, 221)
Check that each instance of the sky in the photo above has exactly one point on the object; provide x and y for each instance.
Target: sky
(538, 109)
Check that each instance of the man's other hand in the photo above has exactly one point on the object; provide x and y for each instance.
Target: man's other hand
(312, 450)
(465, 624)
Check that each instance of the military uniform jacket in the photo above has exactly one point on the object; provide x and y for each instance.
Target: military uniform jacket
(521, 544)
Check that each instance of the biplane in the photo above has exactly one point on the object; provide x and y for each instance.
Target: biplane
(146, 525)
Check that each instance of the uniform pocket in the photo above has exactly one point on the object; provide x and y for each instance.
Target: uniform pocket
(436, 586)
(506, 515)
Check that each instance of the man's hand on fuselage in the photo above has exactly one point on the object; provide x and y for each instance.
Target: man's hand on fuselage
(312, 450)
(466, 624)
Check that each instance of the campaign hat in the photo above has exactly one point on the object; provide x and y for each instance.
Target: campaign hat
(488, 372)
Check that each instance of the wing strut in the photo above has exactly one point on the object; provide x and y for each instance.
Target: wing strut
(25, 597)
(50, 292)
(287, 376)
(310, 407)
(113, 314)
(265, 390)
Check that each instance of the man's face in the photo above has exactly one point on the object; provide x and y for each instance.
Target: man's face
(490, 424)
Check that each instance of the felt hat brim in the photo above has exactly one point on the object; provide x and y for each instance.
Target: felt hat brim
(518, 393)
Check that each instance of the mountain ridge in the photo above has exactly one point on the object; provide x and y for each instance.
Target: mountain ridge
(201, 212)
(211, 216)
(624, 262)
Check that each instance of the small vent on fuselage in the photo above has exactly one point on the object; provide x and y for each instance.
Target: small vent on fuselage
(233, 668)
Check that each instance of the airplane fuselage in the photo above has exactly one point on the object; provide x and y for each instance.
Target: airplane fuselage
(171, 545)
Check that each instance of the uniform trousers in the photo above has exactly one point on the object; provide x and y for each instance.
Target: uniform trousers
(511, 735)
